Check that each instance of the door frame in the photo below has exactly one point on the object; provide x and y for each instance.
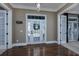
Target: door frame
(9, 24)
(45, 27)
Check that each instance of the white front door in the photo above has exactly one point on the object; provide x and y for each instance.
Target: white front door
(72, 31)
(35, 31)
(63, 29)
(3, 29)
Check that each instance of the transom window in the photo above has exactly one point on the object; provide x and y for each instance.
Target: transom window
(35, 17)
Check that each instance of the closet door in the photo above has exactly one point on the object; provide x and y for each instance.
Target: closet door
(3, 34)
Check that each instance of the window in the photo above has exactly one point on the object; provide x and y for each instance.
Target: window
(35, 17)
(72, 19)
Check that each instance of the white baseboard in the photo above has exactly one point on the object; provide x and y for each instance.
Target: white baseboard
(49, 42)
(37, 43)
(19, 44)
(22, 44)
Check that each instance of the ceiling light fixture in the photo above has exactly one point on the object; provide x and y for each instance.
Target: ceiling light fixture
(38, 6)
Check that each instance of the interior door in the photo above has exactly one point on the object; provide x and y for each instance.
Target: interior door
(73, 31)
(63, 29)
(3, 29)
(36, 31)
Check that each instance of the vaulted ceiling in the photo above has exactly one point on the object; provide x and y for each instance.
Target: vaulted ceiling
(53, 7)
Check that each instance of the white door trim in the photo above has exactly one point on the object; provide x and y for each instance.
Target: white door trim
(58, 28)
(9, 24)
(45, 27)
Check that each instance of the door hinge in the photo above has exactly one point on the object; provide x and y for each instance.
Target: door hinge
(6, 23)
(6, 33)
(60, 32)
(6, 43)
(60, 24)
(6, 13)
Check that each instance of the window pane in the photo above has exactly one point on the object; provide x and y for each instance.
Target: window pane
(36, 17)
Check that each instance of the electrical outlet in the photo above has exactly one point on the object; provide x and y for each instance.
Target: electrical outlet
(17, 41)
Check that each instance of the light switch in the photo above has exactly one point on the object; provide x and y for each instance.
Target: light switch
(21, 30)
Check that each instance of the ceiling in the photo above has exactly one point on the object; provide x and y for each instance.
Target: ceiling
(54, 7)
(74, 10)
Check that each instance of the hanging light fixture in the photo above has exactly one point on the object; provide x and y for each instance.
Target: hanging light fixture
(38, 7)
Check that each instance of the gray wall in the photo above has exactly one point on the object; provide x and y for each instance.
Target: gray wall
(19, 14)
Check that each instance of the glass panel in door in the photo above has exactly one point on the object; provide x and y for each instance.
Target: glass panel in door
(63, 29)
(36, 31)
(72, 31)
(2, 29)
(75, 31)
(69, 31)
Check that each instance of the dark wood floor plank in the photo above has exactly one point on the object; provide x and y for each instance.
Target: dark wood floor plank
(39, 50)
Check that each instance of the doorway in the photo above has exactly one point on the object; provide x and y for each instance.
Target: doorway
(73, 29)
(36, 29)
(69, 28)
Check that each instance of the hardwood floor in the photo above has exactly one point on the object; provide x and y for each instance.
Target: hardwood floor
(39, 50)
